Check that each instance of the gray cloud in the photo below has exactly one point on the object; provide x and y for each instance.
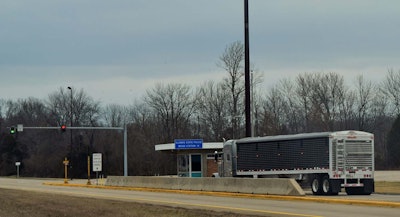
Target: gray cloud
(73, 41)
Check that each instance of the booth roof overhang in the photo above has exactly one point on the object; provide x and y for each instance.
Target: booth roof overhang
(205, 146)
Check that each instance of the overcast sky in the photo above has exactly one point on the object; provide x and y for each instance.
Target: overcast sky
(115, 50)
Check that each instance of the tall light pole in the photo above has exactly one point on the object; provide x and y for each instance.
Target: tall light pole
(70, 117)
(252, 103)
(247, 68)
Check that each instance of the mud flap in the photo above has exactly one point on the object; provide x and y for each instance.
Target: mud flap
(336, 186)
(369, 186)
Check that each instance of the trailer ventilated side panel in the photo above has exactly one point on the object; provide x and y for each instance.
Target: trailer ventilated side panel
(283, 155)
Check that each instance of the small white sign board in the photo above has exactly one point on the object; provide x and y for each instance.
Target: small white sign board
(97, 162)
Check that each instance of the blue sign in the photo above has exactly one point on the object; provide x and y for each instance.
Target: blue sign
(188, 143)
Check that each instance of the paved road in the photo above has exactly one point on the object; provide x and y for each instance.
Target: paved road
(267, 207)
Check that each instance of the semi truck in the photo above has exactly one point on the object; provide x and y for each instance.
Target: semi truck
(326, 161)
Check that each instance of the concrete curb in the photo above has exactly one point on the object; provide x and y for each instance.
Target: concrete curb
(274, 186)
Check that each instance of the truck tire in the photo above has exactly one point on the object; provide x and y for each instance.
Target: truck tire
(329, 186)
(316, 185)
(326, 185)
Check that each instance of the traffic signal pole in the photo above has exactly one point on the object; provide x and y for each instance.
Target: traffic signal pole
(95, 128)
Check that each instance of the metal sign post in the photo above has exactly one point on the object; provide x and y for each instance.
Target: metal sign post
(17, 164)
(88, 170)
(97, 165)
(66, 162)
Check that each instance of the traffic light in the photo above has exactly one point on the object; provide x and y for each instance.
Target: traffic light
(63, 128)
(12, 130)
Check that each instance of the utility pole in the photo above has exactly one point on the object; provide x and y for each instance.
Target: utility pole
(247, 68)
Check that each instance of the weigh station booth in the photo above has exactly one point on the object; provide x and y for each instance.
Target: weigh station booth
(195, 158)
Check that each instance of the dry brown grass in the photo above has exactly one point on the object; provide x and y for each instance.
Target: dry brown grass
(15, 203)
(387, 187)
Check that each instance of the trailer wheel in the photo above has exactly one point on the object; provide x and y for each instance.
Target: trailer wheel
(327, 186)
(316, 185)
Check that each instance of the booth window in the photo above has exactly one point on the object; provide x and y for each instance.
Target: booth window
(183, 165)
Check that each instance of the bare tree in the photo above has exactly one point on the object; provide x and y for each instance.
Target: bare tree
(273, 108)
(144, 117)
(2, 110)
(393, 145)
(212, 110)
(391, 87)
(303, 93)
(144, 132)
(109, 143)
(382, 123)
(32, 146)
(231, 61)
(365, 93)
(328, 91)
(59, 105)
(291, 110)
(346, 116)
(256, 101)
(173, 105)
(115, 115)
(83, 111)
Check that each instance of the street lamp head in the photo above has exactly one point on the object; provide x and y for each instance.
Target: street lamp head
(69, 88)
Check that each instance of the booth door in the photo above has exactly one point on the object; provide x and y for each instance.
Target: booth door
(195, 170)
(189, 165)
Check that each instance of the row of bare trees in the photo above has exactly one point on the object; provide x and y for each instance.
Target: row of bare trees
(309, 102)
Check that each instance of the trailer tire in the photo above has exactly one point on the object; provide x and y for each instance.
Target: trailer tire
(326, 185)
(316, 185)
(330, 187)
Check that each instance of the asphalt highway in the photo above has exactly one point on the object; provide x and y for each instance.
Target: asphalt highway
(374, 205)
